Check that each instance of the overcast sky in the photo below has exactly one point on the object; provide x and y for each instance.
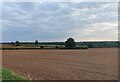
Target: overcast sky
(55, 21)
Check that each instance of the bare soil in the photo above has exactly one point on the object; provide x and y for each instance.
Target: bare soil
(91, 64)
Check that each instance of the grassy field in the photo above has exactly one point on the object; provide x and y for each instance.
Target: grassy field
(30, 46)
(8, 75)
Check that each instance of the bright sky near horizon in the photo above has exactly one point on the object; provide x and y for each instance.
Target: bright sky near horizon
(56, 21)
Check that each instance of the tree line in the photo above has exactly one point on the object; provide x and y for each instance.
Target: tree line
(71, 44)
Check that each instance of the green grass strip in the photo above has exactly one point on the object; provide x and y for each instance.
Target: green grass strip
(9, 75)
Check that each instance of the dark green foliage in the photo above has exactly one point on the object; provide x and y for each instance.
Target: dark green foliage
(41, 47)
(100, 44)
(12, 43)
(17, 43)
(70, 43)
(56, 47)
(36, 42)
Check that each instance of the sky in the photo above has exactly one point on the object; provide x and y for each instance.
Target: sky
(57, 21)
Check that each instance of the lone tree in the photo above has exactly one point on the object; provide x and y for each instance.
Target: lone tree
(17, 43)
(56, 47)
(70, 43)
(36, 42)
(12, 43)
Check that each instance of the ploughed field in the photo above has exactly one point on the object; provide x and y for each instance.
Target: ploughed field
(91, 64)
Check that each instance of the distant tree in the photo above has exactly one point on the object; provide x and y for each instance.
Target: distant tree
(17, 43)
(12, 43)
(56, 47)
(41, 47)
(70, 43)
(36, 42)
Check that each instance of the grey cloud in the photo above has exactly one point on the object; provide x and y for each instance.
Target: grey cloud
(57, 21)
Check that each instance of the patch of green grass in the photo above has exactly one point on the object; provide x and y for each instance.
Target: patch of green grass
(8, 75)
(0, 74)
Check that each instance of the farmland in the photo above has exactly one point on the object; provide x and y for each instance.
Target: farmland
(63, 40)
(88, 64)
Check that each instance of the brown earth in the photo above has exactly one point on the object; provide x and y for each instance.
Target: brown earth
(91, 64)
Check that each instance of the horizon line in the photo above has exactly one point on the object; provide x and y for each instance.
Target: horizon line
(63, 41)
